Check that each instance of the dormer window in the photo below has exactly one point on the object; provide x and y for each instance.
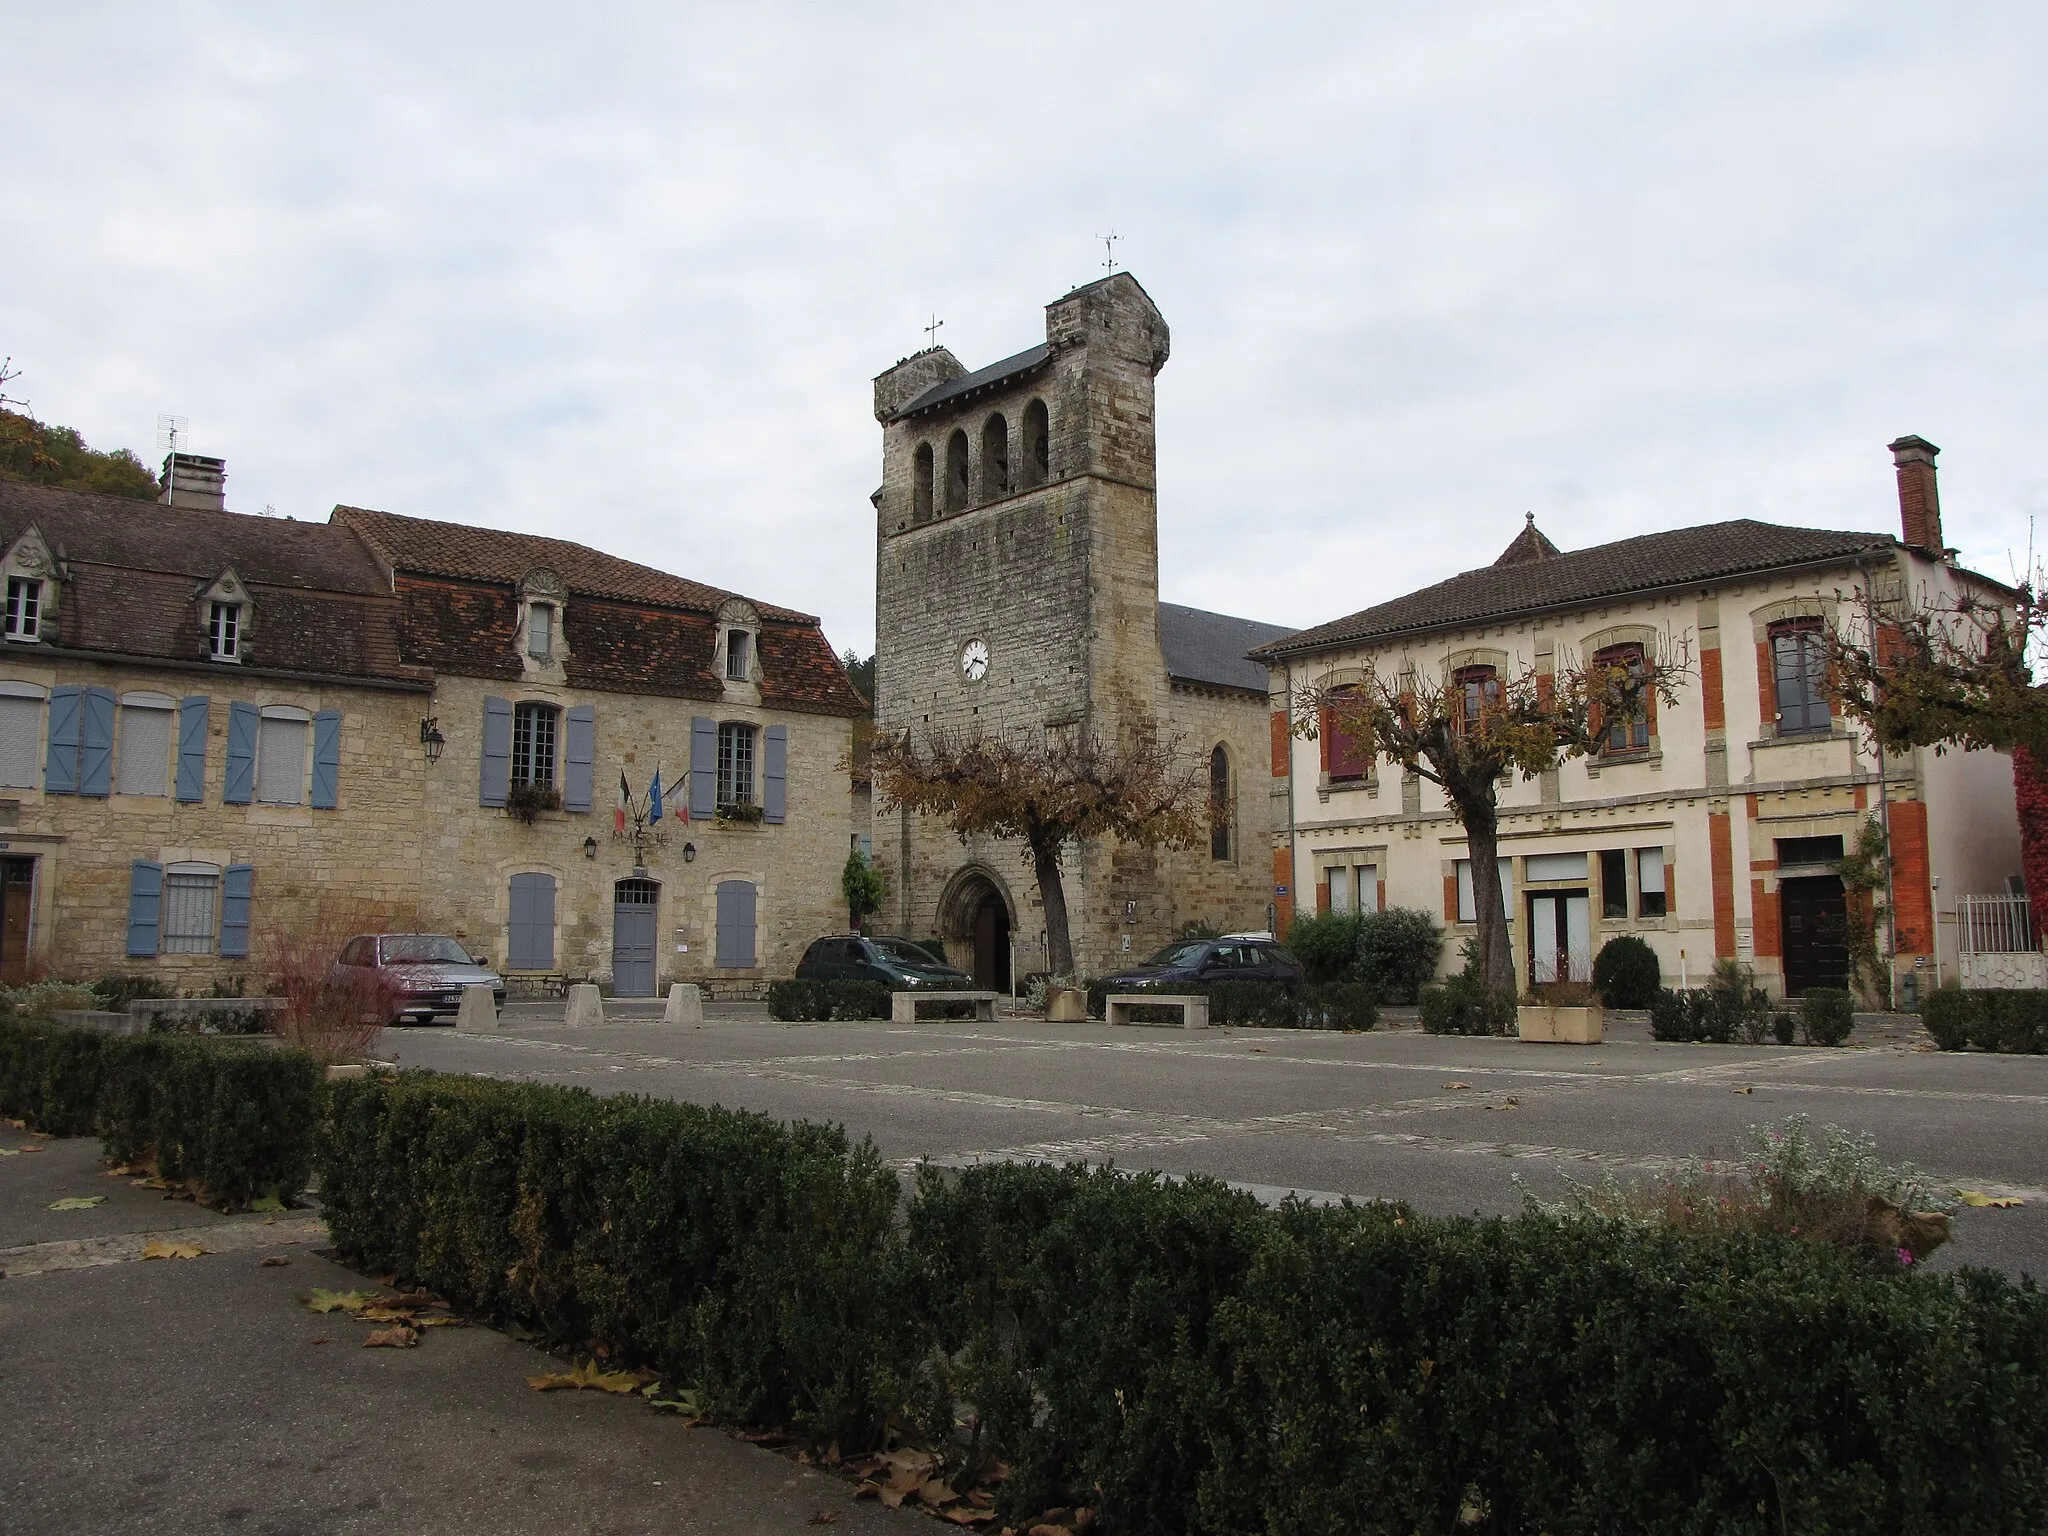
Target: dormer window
(736, 647)
(24, 608)
(224, 632)
(739, 659)
(540, 631)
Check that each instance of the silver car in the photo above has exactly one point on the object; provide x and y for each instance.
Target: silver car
(426, 972)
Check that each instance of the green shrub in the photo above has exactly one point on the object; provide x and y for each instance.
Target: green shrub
(1784, 1028)
(2018, 1020)
(1728, 1008)
(1399, 950)
(815, 1001)
(1947, 1016)
(1464, 1005)
(1340, 1005)
(1627, 972)
(40, 999)
(120, 991)
(50, 1076)
(754, 1262)
(1326, 944)
(1826, 1015)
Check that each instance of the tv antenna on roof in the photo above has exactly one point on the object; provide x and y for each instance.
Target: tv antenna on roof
(170, 435)
(1109, 246)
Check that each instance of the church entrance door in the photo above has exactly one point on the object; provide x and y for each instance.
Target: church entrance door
(991, 935)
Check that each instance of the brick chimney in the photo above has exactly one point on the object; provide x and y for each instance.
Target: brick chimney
(196, 481)
(1919, 498)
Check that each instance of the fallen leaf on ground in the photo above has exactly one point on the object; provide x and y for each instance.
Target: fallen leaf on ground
(1977, 1197)
(519, 1333)
(383, 1312)
(19, 1125)
(128, 1170)
(1506, 1104)
(152, 1182)
(938, 1493)
(399, 1337)
(1457, 1085)
(1258, 1050)
(272, 1261)
(267, 1204)
(823, 1517)
(319, 1341)
(161, 1250)
(322, 1300)
(9, 1152)
(31, 1148)
(1750, 1089)
(76, 1203)
(961, 1515)
(586, 1375)
(440, 1320)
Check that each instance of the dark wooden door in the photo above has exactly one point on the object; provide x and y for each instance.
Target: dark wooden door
(1815, 920)
(992, 945)
(17, 905)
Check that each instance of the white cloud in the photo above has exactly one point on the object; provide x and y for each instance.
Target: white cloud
(624, 275)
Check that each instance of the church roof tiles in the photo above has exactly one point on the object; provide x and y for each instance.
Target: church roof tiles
(1210, 648)
(995, 373)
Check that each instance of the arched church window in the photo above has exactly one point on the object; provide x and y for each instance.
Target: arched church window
(1219, 804)
(1037, 444)
(921, 484)
(956, 472)
(995, 458)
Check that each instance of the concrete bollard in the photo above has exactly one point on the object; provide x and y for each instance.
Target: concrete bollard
(685, 1004)
(585, 1006)
(479, 1009)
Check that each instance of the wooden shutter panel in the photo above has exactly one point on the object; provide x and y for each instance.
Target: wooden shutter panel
(735, 925)
(579, 754)
(530, 933)
(703, 768)
(496, 770)
(192, 722)
(145, 908)
(243, 720)
(60, 764)
(775, 774)
(326, 761)
(96, 743)
(237, 888)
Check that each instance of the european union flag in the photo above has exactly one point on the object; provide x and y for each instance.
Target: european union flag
(654, 799)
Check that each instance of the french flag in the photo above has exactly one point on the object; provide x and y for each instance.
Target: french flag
(619, 811)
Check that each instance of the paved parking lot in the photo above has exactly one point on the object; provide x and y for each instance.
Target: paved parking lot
(1370, 1115)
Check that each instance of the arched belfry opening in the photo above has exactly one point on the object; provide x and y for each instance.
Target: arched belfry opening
(995, 458)
(977, 921)
(921, 484)
(956, 472)
(1037, 444)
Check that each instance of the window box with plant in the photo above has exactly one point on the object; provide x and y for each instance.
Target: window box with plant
(739, 815)
(527, 801)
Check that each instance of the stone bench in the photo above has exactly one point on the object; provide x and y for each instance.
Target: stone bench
(903, 1005)
(1193, 1006)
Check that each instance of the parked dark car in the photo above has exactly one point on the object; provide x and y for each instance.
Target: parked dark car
(1234, 957)
(425, 972)
(900, 963)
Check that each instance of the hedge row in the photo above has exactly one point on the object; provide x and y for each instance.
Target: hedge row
(815, 1001)
(1265, 1004)
(2009, 1019)
(1179, 1357)
(1720, 1015)
(232, 1119)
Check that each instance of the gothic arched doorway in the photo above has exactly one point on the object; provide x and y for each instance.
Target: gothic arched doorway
(974, 918)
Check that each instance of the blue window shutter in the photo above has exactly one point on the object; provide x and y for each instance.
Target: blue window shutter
(192, 721)
(735, 925)
(60, 766)
(703, 768)
(579, 754)
(236, 888)
(326, 760)
(775, 774)
(145, 908)
(96, 743)
(240, 788)
(496, 782)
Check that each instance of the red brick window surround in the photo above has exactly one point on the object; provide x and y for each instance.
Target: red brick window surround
(1624, 735)
(1347, 757)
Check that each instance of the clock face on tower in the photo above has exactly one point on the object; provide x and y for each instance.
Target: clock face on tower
(974, 660)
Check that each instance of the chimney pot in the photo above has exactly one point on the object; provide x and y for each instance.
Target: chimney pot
(1919, 495)
(196, 481)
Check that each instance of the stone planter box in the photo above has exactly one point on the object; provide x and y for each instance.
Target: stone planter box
(1066, 1005)
(1561, 1026)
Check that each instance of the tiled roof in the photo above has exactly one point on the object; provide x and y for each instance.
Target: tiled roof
(134, 572)
(1681, 557)
(468, 553)
(995, 373)
(1204, 647)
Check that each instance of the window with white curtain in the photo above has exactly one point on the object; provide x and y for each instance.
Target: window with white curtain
(21, 740)
(145, 761)
(1468, 909)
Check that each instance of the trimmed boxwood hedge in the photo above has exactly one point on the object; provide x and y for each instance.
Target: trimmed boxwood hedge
(232, 1118)
(817, 1001)
(1262, 1004)
(2012, 1020)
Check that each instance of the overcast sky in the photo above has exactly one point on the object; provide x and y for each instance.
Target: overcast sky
(622, 273)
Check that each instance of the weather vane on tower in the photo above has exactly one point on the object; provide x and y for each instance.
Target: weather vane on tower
(931, 332)
(1109, 247)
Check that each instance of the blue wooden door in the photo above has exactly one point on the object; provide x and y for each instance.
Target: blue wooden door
(635, 904)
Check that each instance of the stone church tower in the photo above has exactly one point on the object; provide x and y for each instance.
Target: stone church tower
(1017, 589)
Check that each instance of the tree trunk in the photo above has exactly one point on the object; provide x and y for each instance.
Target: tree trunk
(1045, 863)
(1482, 844)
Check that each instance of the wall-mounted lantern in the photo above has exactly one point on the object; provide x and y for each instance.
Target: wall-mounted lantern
(689, 853)
(431, 738)
(590, 847)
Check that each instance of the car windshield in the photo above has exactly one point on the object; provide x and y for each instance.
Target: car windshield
(1180, 954)
(423, 949)
(903, 952)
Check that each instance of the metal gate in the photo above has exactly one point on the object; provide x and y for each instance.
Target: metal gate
(635, 904)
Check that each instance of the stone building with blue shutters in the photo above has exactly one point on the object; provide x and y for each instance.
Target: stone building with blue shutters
(216, 729)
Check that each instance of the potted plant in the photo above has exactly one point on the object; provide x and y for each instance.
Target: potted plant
(739, 815)
(526, 801)
(1562, 1012)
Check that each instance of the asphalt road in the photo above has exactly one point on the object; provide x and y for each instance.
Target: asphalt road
(1366, 1116)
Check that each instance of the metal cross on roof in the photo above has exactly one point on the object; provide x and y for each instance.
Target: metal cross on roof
(931, 332)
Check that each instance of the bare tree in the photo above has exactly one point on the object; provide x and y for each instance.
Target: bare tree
(1466, 732)
(1048, 790)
